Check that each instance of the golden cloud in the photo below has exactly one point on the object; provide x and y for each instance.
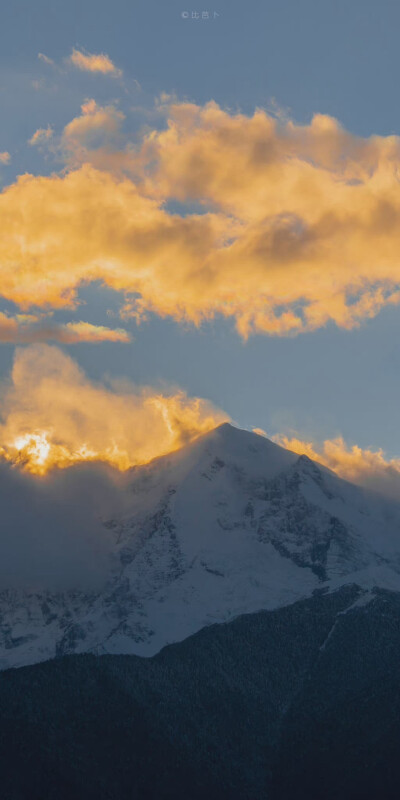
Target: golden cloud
(94, 62)
(54, 416)
(5, 157)
(319, 210)
(41, 136)
(60, 232)
(362, 466)
(74, 332)
(29, 328)
(93, 130)
(295, 225)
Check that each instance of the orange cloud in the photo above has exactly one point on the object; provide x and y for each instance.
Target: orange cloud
(297, 225)
(61, 232)
(41, 136)
(362, 466)
(5, 158)
(26, 328)
(52, 415)
(96, 128)
(94, 62)
(73, 332)
(319, 210)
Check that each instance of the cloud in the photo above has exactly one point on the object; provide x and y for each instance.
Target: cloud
(62, 231)
(96, 128)
(5, 158)
(45, 59)
(365, 467)
(94, 62)
(28, 328)
(295, 225)
(53, 415)
(319, 210)
(74, 332)
(51, 534)
(41, 136)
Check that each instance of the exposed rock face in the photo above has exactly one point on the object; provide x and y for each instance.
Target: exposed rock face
(229, 525)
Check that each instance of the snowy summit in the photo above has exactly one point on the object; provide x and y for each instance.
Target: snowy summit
(230, 524)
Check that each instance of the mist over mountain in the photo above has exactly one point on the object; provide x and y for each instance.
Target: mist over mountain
(230, 524)
(229, 629)
(200, 230)
(51, 532)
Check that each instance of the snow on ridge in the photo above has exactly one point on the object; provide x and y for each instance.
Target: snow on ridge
(230, 524)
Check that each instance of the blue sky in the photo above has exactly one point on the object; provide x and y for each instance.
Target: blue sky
(340, 59)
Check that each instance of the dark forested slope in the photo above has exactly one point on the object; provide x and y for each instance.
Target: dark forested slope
(300, 702)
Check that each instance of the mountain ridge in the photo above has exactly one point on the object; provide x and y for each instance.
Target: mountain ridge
(229, 524)
(301, 701)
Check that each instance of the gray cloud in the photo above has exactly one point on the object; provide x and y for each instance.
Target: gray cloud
(51, 534)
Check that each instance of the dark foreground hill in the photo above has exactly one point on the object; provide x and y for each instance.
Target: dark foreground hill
(299, 702)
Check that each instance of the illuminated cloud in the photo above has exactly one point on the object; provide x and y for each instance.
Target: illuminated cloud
(94, 62)
(74, 332)
(41, 136)
(297, 225)
(5, 158)
(53, 415)
(27, 328)
(94, 129)
(365, 467)
(319, 210)
(61, 232)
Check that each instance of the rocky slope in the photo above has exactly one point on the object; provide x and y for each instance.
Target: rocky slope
(230, 524)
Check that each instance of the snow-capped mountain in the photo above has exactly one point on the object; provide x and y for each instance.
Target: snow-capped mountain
(230, 524)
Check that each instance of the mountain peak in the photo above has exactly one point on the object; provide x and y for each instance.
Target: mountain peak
(229, 434)
(253, 455)
(229, 524)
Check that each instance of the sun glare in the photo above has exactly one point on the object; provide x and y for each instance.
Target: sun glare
(33, 447)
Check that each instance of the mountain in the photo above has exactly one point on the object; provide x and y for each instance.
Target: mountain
(228, 525)
(299, 702)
